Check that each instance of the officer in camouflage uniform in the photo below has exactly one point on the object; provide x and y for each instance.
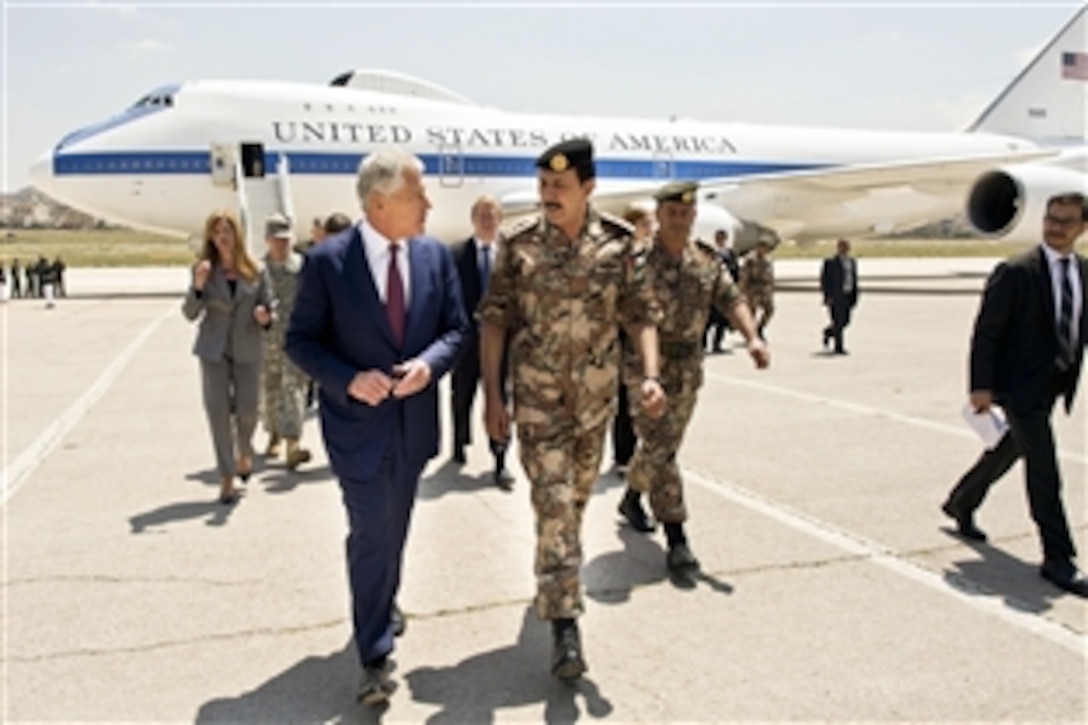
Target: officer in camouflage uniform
(688, 277)
(561, 286)
(283, 385)
(757, 284)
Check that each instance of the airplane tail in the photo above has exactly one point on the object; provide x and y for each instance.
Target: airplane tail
(1048, 101)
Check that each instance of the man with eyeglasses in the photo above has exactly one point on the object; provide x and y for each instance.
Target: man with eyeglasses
(1027, 351)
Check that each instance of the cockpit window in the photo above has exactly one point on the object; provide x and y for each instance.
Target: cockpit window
(160, 97)
(150, 103)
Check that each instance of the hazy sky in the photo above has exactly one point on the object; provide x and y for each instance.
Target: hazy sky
(901, 65)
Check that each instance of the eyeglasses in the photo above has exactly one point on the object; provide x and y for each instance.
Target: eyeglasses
(1061, 221)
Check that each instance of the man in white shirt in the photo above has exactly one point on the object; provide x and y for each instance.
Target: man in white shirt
(1026, 352)
(475, 258)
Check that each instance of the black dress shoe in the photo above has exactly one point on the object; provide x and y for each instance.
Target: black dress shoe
(965, 522)
(396, 618)
(1065, 576)
(567, 660)
(376, 687)
(503, 479)
(630, 508)
(681, 561)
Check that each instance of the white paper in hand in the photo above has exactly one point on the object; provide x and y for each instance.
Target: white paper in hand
(989, 425)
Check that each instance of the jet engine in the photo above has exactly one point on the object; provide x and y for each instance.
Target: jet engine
(1009, 203)
(744, 234)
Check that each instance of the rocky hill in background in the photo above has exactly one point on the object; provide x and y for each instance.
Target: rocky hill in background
(29, 208)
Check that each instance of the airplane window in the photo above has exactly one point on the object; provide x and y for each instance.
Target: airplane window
(163, 96)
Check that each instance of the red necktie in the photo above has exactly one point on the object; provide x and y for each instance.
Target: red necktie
(394, 297)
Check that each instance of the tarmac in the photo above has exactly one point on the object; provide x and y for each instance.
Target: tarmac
(832, 586)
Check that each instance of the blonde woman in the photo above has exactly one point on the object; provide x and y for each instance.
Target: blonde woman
(230, 297)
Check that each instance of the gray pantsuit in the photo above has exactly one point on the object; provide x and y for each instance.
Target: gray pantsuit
(230, 384)
(228, 344)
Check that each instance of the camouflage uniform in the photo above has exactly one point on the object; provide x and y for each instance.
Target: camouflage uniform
(757, 284)
(685, 289)
(283, 385)
(560, 303)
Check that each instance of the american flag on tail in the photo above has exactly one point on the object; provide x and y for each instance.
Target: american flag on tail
(1075, 66)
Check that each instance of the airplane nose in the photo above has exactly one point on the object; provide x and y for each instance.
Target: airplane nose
(41, 172)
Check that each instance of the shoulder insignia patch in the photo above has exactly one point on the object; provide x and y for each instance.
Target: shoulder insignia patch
(525, 225)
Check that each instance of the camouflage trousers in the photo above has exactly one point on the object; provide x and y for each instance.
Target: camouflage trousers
(562, 463)
(761, 303)
(653, 468)
(283, 396)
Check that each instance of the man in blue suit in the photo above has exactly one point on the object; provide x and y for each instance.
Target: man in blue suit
(377, 321)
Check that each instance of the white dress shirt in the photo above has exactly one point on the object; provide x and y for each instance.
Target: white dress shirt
(847, 274)
(376, 247)
(1052, 260)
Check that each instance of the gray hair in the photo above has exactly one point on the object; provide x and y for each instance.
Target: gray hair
(383, 172)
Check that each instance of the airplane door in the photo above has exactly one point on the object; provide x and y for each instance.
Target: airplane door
(222, 159)
(451, 166)
(662, 165)
(253, 160)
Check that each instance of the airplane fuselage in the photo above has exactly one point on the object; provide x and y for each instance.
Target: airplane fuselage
(155, 166)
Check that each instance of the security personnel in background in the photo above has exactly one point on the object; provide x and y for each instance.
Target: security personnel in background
(561, 286)
(16, 279)
(716, 321)
(687, 277)
(757, 284)
(283, 384)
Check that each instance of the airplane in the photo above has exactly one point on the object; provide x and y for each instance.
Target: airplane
(266, 146)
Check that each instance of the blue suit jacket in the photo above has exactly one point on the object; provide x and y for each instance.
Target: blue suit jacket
(339, 328)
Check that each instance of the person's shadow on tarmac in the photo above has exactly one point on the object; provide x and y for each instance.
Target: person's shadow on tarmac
(611, 577)
(998, 573)
(317, 689)
(214, 513)
(322, 689)
(473, 690)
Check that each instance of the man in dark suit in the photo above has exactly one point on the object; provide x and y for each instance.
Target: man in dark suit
(719, 323)
(1027, 351)
(839, 282)
(377, 321)
(475, 257)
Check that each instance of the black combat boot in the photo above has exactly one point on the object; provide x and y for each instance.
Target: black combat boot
(679, 560)
(567, 661)
(631, 509)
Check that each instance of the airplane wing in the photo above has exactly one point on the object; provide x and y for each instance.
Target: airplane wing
(862, 178)
(756, 200)
(855, 179)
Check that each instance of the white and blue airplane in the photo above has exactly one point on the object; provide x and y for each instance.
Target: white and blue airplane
(185, 149)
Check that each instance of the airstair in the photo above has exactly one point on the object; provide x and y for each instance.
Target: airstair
(261, 191)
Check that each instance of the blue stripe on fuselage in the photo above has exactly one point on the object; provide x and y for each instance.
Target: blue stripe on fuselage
(199, 162)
